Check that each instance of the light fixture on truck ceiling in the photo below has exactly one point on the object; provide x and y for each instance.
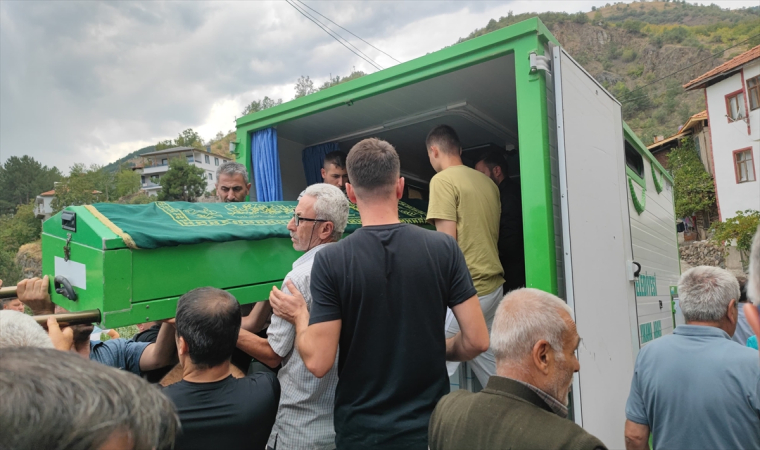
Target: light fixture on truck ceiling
(461, 109)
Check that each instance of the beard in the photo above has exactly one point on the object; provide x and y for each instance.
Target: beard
(560, 384)
(82, 333)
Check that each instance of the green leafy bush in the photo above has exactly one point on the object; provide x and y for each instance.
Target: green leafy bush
(693, 188)
(740, 229)
(629, 55)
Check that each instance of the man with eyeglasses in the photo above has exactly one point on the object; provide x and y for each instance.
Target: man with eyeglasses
(305, 415)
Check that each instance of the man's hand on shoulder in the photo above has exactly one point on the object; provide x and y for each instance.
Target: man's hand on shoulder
(288, 306)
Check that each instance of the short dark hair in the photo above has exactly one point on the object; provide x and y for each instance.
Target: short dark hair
(5, 301)
(208, 319)
(495, 158)
(373, 167)
(445, 138)
(337, 158)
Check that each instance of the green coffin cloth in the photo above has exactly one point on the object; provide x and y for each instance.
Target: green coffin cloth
(165, 224)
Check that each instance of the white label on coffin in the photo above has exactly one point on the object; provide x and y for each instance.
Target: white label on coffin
(75, 272)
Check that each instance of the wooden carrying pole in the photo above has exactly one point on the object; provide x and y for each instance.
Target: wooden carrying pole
(71, 318)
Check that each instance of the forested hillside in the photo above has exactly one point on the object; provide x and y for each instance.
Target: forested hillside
(633, 48)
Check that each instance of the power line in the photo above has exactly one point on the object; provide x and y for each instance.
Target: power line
(335, 36)
(628, 99)
(348, 31)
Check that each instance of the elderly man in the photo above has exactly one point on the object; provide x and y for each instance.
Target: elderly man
(305, 414)
(19, 330)
(696, 388)
(382, 293)
(525, 404)
(232, 182)
(53, 400)
(465, 205)
(334, 170)
(216, 409)
(135, 357)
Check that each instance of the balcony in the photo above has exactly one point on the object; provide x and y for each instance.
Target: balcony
(155, 170)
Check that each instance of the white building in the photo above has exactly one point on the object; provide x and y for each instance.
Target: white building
(43, 208)
(732, 97)
(43, 204)
(156, 164)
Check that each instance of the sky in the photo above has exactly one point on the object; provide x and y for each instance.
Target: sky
(89, 82)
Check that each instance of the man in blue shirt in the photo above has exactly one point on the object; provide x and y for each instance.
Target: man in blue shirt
(696, 388)
(135, 357)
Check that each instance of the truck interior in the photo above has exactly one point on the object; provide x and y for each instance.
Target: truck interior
(479, 102)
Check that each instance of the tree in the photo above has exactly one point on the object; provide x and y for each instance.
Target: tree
(21, 228)
(22, 179)
(182, 181)
(163, 145)
(740, 229)
(84, 186)
(304, 86)
(693, 188)
(127, 182)
(258, 105)
(189, 138)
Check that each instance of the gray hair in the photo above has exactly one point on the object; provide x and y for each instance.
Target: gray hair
(753, 283)
(524, 317)
(331, 205)
(60, 401)
(704, 293)
(19, 330)
(232, 168)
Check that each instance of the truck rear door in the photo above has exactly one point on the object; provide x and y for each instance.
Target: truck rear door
(596, 245)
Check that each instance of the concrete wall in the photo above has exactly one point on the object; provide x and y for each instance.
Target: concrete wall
(730, 136)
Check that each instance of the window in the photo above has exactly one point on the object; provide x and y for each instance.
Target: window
(164, 162)
(735, 106)
(208, 160)
(216, 161)
(190, 158)
(744, 165)
(633, 160)
(210, 176)
(753, 92)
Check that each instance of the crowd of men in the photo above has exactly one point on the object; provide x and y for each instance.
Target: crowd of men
(355, 349)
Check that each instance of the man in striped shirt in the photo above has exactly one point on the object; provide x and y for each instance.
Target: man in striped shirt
(305, 415)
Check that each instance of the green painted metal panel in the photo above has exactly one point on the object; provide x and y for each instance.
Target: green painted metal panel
(533, 135)
(166, 308)
(90, 231)
(92, 258)
(169, 271)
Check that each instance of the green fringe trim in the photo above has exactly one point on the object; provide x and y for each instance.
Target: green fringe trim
(638, 205)
(657, 183)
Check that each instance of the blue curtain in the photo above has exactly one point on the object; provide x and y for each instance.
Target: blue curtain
(313, 157)
(266, 166)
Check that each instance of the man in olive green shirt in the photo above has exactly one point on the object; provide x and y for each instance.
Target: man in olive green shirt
(465, 204)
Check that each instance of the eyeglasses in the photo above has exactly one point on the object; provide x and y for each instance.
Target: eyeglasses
(298, 219)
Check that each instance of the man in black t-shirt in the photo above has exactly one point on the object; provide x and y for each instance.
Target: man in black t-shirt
(217, 410)
(382, 294)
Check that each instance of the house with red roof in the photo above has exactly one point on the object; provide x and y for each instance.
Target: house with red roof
(732, 98)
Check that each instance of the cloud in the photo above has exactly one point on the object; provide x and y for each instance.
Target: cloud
(91, 81)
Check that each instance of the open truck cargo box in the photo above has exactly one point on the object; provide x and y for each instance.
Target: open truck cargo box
(597, 208)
